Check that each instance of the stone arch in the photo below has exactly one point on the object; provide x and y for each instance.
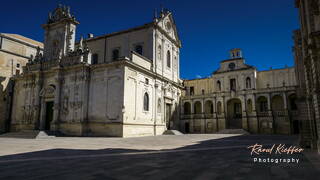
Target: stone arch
(197, 107)
(48, 92)
(208, 108)
(187, 108)
(234, 113)
(277, 103)
(262, 104)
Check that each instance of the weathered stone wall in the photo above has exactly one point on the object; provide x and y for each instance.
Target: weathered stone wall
(2, 107)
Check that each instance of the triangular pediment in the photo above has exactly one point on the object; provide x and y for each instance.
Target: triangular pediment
(167, 25)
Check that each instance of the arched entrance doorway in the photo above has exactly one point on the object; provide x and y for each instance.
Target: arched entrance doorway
(234, 114)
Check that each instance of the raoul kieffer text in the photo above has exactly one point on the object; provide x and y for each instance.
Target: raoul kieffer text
(274, 149)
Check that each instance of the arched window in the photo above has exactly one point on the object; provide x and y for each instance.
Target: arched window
(218, 85)
(146, 102)
(187, 108)
(138, 49)
(168, 59)
(262, 104)
(115, 54)
(159, 105)
(248, 83)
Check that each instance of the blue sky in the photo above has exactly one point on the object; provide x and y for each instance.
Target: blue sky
(208, 28)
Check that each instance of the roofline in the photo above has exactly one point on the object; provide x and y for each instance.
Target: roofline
(292, 67)
(121, 32)
(196, 79)
(3, 35)
(227, 60)
(148, 25)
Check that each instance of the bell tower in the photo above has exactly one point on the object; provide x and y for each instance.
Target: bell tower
(235, 53)
(60, 32)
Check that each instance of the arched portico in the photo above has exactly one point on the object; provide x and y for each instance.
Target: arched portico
(234, 114)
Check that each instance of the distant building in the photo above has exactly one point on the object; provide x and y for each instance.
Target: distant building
(121, 84)
(307, 61)
(15, 52)
(237, 96)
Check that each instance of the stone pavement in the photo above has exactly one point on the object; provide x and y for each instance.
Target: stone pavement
(213, 156)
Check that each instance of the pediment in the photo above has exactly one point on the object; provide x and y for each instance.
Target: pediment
(167, 25)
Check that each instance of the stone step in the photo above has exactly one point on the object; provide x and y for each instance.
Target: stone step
(172, 132)
(28, 134)
(233, 131)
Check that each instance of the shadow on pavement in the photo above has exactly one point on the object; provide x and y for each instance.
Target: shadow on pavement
(225, 158)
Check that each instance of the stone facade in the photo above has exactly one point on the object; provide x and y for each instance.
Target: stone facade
(237, 96)
(15, 52)
(307, 53)
(122, 84)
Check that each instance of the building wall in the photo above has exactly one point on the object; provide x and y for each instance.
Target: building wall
(266, 103)
(125, 42)
(276, 78)
(306, 51)
(15, 51)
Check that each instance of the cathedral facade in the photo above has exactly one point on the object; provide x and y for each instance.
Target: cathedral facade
(122, 84)
(238, 96)
(307, 62)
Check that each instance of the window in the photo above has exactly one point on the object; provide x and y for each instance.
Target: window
(18, 65)
(115, 54)
(147, 81)
(262, 104)
(202, 91)
(17, 71)
(191, 91)
(94, 59)
(168, 59)
(146, 102)
(159, 105)
(138, 49)
(248, 83)
(218, 85)
(232, 84)
(232, 66)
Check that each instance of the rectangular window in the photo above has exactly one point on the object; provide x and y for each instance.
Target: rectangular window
(202, 91)
(191, 91)
(232, 84)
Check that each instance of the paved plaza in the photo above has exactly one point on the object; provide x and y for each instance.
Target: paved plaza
(214, 156)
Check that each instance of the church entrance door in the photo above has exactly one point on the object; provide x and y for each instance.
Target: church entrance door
(49, 114)
(234, 116)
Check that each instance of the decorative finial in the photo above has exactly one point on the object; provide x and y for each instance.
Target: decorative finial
(155, 15)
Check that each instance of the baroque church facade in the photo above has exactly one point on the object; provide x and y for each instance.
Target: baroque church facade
(122, 84)
(127, 84)
(238, 96)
